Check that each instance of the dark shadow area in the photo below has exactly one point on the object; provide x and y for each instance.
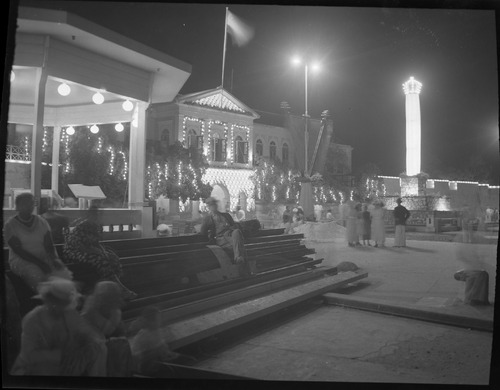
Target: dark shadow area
(211, 346)
(421, 250)
(352, 288)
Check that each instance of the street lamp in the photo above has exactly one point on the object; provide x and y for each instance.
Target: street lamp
(314, 66)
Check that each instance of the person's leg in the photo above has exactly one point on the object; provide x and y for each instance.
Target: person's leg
(237, 242)
(397, 236)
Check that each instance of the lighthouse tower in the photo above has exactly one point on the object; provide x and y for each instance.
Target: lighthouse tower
(412, 89)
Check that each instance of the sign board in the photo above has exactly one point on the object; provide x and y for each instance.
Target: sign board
(87, 192)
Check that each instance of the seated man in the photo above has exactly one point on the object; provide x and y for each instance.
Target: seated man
(221, 230)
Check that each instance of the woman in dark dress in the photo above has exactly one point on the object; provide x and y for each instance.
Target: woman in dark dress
(82, 246)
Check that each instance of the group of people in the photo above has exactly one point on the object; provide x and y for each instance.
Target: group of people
(59, 339)
(367, 224)
(70, 333)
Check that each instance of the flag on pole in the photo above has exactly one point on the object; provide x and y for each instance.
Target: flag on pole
(241, 33)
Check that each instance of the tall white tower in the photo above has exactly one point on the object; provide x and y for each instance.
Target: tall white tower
(412, 90)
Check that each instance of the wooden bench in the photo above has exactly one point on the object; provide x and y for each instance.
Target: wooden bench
(162, 269)
(182, 226)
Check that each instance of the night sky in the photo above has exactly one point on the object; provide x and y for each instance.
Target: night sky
(365, 53)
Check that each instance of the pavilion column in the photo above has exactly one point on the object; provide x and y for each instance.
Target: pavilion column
(56, 142)
(137, 168)
(37, 137)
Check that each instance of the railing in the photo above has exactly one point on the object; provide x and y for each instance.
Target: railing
(16, 153)
(116, 223)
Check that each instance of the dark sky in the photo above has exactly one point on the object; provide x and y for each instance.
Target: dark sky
(366, 54)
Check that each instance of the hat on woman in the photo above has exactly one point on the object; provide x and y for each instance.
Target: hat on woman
(57, 290)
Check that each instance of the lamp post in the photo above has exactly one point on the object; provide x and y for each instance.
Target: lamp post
(314, 67)
(306, 196)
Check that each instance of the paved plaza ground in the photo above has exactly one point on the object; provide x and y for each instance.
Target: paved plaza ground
(339, 344)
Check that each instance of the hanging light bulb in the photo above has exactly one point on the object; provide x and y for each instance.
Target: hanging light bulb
(64, 89)
(98, 98)
(12, 76)
(128, 105)
(94, 129)
(119, 127)
(70, 130)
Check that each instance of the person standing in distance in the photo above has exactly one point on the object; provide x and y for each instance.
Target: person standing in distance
(401, 215)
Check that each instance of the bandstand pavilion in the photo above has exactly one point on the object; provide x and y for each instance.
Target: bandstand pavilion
(69, 72)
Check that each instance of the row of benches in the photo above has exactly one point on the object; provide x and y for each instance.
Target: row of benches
(166, 270)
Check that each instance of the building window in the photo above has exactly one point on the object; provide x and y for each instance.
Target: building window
(259, 148)
(218, 148)
(284, 154)
(191, 138)
(240, 150)
(453, 185)
(272, 150)
(429, 184)
(165, 136)
(194, 140)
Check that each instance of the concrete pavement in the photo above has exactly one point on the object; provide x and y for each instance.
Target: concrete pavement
(340, 344)
(421, 273)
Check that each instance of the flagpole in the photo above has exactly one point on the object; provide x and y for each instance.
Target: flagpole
(224, 53)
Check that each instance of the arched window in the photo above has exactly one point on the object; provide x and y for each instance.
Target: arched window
(272, 150)
(259, 148)
(217, 148)
(240, 150)
(284, 154)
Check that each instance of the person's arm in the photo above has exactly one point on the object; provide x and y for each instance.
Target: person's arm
(17, 247)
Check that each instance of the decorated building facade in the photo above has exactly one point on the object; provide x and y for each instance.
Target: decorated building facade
(232, 136)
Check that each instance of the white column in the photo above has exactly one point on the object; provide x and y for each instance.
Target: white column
(56, 142)
(37, 137)
(412, 89)
(413, 134)
(137, 167)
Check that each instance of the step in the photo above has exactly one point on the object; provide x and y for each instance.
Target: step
(437, 315)
(194, 329)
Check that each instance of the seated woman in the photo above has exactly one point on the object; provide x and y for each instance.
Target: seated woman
(55, 340)
(102, 311)
(82, 246)
(476, 286)
(32, 255)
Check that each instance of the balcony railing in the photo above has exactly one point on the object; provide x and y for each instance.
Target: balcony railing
(16, 153)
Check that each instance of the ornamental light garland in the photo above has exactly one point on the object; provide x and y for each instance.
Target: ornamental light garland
(44, 144)
(125, 165)
(99, 145)
(179, 173)
(111, 167)
(26, 146)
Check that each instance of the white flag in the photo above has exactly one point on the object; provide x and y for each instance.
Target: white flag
(240, 32)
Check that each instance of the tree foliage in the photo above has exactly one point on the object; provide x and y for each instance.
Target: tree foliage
(177, 172)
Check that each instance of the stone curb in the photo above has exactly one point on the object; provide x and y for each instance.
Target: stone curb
(409, 311)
